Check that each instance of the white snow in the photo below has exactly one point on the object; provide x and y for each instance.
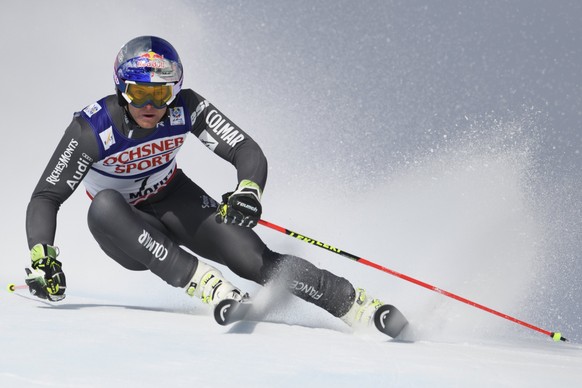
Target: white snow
(457, 214)
(87, 342)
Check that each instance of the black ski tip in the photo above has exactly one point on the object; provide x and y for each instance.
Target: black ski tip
(221, 311)
(389, 320)
(230, 310)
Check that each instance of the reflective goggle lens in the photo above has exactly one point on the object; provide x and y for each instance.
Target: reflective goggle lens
(141, 95)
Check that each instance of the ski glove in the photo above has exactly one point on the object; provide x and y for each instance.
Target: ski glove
(46, 278)
(241, 207)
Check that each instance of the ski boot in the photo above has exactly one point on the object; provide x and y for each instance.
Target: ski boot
(361, 314)
(210, 286)
(366, 312)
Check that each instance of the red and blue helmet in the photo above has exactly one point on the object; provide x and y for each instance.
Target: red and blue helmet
(148, 70)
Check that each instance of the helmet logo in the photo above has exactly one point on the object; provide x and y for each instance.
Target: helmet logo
(151, 59)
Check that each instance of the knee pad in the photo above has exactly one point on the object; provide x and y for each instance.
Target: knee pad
(104, 208)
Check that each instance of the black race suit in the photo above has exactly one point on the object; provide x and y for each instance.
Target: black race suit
(144, 208)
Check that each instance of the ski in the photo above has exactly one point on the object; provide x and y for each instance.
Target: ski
(230, 311)
(389, 320)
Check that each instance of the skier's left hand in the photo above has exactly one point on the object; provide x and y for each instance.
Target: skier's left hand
(46, 279)
(241, 207)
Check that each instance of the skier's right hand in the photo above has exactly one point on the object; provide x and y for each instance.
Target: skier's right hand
(45, 278)
(241, 207)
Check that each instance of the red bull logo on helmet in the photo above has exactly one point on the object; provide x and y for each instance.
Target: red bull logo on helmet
(151, 59)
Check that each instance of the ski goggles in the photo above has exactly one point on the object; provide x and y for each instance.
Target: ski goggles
(140, 95)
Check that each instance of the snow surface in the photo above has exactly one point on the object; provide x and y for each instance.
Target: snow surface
(442, 142)
(104, 343)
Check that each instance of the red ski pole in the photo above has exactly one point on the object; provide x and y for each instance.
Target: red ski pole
(556, 336)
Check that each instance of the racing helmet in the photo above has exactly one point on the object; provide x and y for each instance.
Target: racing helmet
(147, 70)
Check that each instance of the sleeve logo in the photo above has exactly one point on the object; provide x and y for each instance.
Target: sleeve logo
(208, 140)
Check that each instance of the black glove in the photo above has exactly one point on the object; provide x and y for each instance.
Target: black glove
(46, 278)
(241, 207)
